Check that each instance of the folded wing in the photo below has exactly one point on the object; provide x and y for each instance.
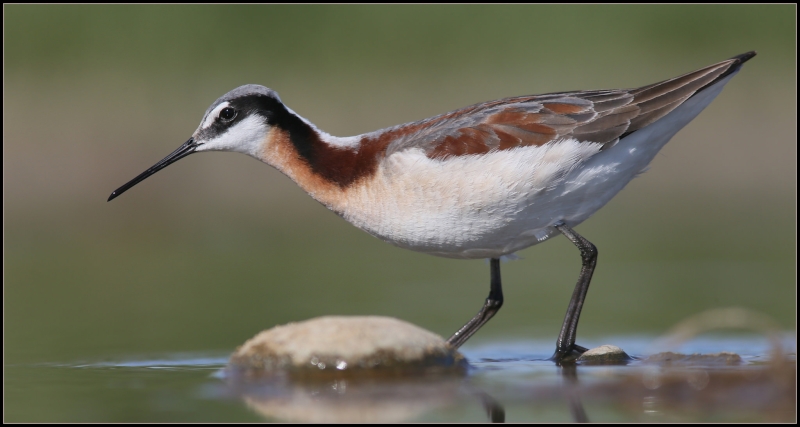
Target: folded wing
(599, 116)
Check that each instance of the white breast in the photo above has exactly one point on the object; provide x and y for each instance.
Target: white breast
(472, 206)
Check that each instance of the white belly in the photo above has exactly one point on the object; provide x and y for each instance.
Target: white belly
(474, 206)
(486, 206)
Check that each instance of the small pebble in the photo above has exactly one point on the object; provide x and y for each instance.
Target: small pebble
(604, 355)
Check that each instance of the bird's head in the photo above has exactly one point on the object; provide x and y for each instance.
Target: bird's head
(240, 121)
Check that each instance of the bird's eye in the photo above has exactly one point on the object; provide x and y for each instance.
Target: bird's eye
(227, 114)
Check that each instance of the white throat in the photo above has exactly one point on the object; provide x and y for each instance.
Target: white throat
(245, 137)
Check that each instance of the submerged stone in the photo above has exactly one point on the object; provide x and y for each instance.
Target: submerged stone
(669, 358)
(343, 345)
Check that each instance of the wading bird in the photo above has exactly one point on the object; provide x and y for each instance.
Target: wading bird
(483, 181)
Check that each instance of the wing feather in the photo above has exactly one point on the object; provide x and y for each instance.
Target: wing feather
(599, 116)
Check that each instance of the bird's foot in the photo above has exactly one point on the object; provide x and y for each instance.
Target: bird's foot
(567, 355)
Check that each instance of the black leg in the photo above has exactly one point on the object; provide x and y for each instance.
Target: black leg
(493, 303)
(494, 410)
(572, 393)
(566, 348)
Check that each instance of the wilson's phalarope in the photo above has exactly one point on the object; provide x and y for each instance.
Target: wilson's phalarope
(480, 182)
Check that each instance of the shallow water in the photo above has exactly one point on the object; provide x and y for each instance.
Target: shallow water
(508, 381)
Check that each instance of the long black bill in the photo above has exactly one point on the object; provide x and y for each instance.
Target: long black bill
(184, 150)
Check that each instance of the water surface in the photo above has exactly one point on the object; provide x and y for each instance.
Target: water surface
(508, 381)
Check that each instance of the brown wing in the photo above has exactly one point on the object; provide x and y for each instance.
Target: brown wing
(600, 116)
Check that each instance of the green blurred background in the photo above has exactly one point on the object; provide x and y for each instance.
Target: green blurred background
(218, 246)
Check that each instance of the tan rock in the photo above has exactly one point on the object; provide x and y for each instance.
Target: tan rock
(342, 344)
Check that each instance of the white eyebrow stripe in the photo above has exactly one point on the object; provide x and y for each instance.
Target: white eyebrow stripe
(212, 115)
